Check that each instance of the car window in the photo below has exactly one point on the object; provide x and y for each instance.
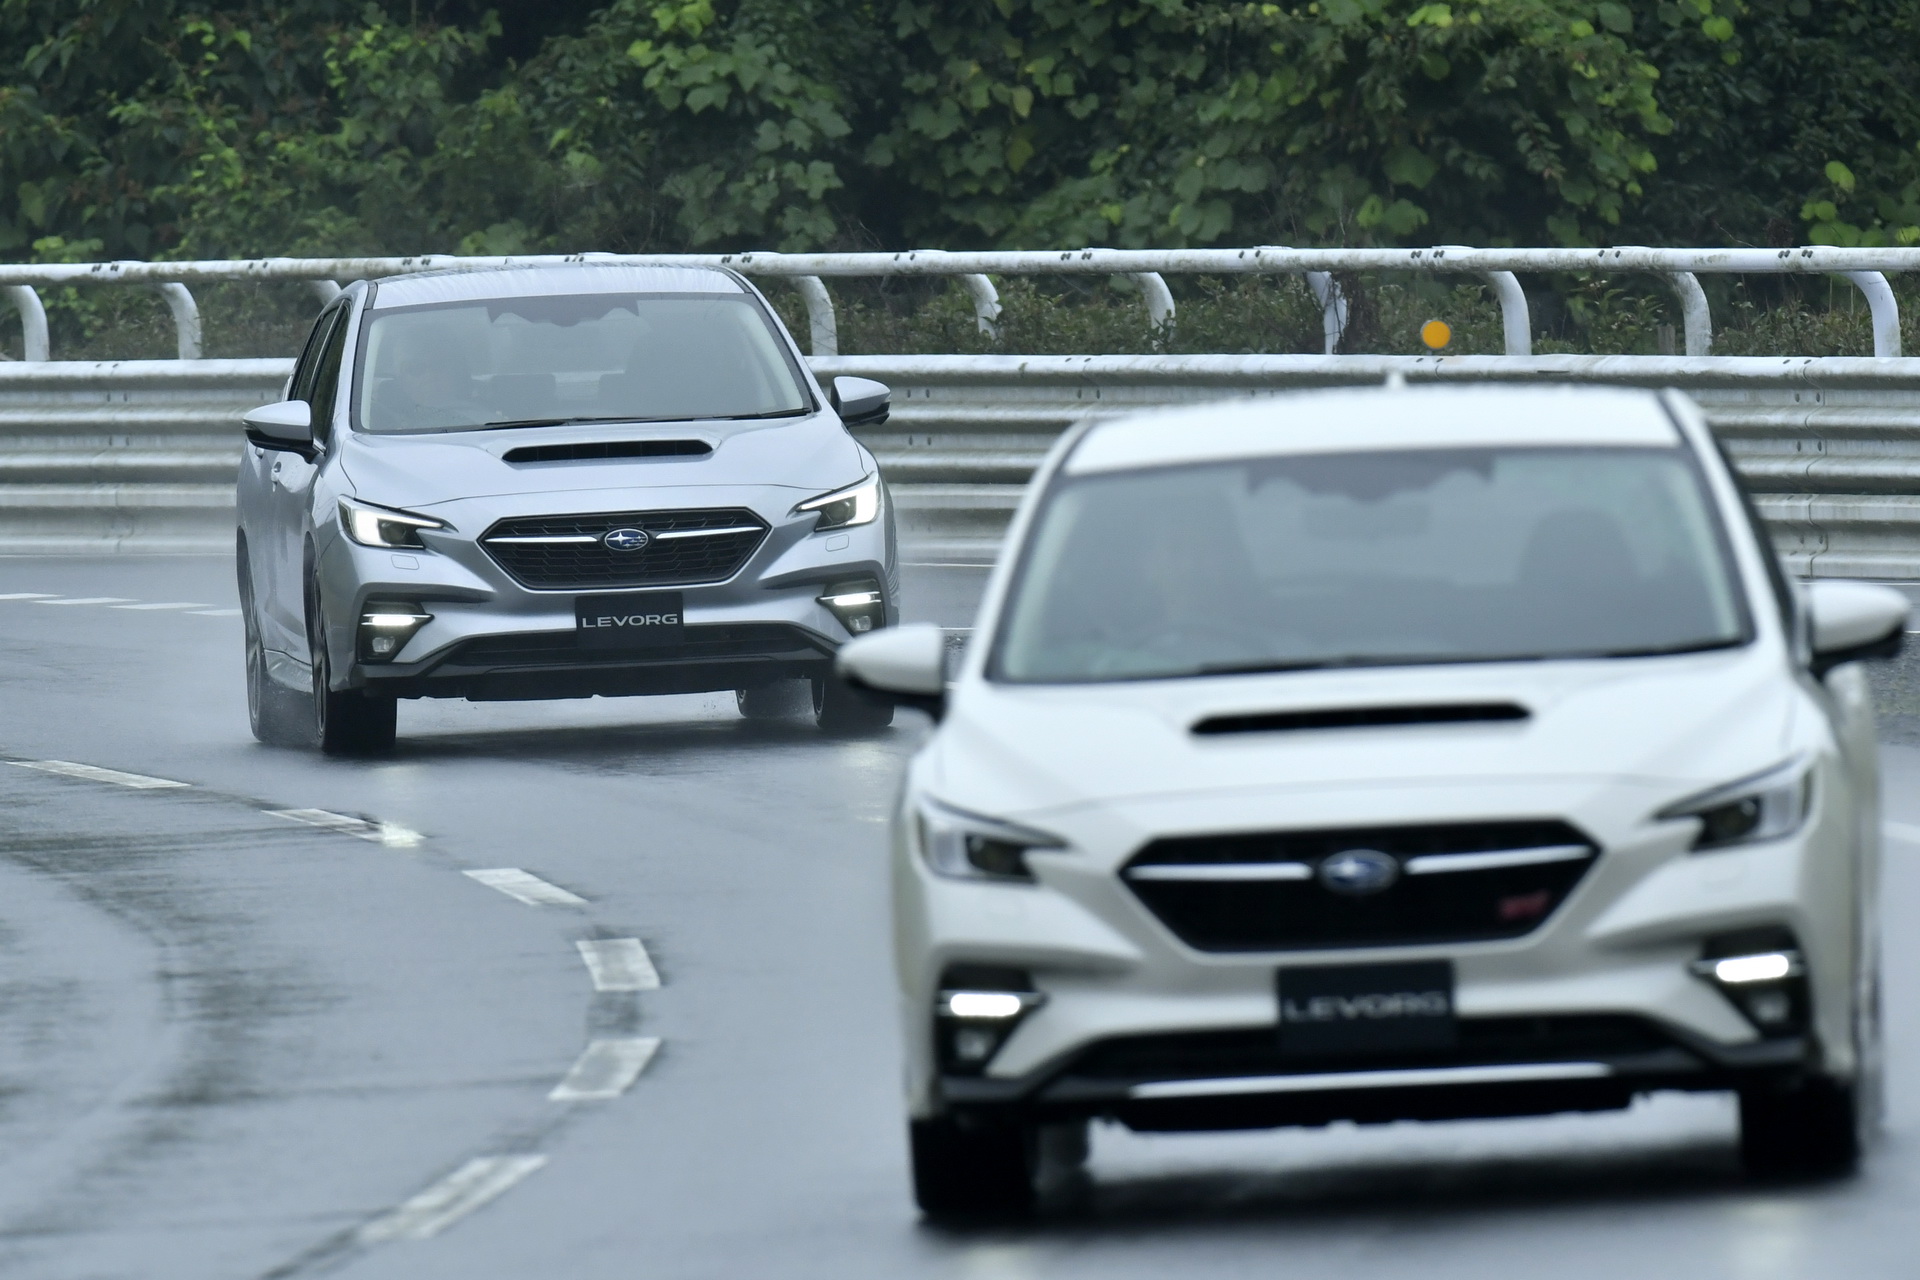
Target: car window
(324, 391)
(1376, 558)
(610, 357)
(301, 387)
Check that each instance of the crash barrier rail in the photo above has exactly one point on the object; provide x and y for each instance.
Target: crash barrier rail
(807, 272)
(141, 455)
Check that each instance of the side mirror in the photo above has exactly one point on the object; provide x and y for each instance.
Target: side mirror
(1853, 621)
(286, 425)
(905, 665)
(860, 402)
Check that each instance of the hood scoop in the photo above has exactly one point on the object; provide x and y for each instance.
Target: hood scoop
(598, 450)
(1360, 717)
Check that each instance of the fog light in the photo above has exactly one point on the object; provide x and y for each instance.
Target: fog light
(386, 626)
(860, 606)
(977, 1009)
(1762, 973)
(1769, 966)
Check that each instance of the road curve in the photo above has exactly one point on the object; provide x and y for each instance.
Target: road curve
(271, 1023)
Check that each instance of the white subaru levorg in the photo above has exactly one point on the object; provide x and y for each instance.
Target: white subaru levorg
(1386, 754)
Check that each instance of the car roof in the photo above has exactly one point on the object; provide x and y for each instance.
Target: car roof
(1377, 418)
(546, 281)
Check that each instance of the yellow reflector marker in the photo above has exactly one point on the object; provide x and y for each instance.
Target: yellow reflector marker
(1436, 334)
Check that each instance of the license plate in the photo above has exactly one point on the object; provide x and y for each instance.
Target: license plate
(1362, 1009)
(629, 620)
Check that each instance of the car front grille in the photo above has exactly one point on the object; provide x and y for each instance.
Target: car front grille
(565, 553)
(1268, 891)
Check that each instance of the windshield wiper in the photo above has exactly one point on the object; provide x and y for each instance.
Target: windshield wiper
(1341, 660)
(553, 422)
(771, 413)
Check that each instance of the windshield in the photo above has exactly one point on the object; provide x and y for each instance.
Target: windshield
(1354, 559)
(596, 356)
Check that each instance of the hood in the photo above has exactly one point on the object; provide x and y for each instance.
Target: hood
(812, 455)
(1683, 720)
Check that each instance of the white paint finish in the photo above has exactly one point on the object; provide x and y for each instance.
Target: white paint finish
(391, 834)
(1336, 1080)
(606, 1070)
(524, 886)
(467, 1188)
(184, 604)
(84, 600)
(1904, 831)
(94, 773)
(27, 595)
(618, 964)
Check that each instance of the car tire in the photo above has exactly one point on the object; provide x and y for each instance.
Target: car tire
(965, 1168)
(347, 722)
(1808, 1129)
(839, 708)
(779, 700)
(276, 714)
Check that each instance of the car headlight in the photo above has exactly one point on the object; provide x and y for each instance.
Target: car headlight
(372, 526)
(1764, 806)
(845, 508)
(970, 847)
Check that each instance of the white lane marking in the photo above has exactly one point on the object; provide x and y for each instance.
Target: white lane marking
(391, 834)
(606, 1070)
(86, 600)
(1906, 831)
(524, 886)
(452, 1198)
(618, 964)
(183, 604)
(214, 613)
(27, 595)
(94, 773)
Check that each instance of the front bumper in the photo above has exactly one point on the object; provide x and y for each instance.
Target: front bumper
(1238, 1079)
(491, 638)
(1594, 1006)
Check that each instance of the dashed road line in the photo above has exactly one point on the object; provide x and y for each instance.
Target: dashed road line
(85, 600)
(1904, 831)
(27, 595)
(94, 773)
(391, 834)
(524, 886)
(467, 1188)
(606, 1070)
(214, 613)
(618, 964)
(178, 604)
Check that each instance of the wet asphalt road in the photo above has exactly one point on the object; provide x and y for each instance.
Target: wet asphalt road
(236, 1044)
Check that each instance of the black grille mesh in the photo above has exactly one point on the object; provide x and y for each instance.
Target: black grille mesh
(1295, 915)
(591, 566)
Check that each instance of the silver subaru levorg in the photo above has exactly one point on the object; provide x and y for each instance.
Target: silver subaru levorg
(556, 482)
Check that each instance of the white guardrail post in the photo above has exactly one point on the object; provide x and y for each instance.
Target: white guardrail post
(33, 321)
(1886, 311)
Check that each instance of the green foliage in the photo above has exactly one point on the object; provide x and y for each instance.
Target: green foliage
(149, 128)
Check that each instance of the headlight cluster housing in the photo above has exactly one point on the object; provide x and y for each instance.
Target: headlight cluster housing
(1764, 806)
(857, 504)
(966, 846)
(384, 527)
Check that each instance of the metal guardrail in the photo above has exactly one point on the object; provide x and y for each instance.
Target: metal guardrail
(1864, 268)
(140, 455)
